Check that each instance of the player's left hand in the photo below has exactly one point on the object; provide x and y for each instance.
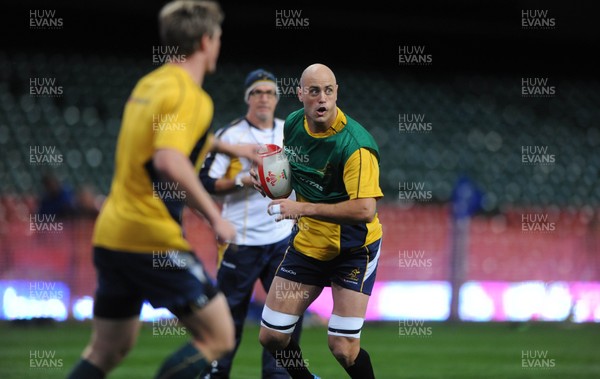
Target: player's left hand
(256, 183)
(286, 209)
(249, 151)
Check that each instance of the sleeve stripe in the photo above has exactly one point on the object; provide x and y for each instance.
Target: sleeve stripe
(359, 173)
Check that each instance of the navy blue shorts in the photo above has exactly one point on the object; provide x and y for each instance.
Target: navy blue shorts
(172, 279)
(354, 270)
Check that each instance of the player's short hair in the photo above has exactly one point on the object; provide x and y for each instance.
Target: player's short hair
(182, 23)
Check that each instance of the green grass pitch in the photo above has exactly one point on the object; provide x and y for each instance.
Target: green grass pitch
(432, 350)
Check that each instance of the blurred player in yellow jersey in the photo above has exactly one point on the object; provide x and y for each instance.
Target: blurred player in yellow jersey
(335, 175)
(140, 250)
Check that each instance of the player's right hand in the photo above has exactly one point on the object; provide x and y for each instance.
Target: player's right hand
(224, 230)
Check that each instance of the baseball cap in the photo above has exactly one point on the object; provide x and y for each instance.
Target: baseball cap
(259, 77)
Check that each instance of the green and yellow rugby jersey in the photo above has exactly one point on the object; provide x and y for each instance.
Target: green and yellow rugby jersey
(166, 109)
(337, 165)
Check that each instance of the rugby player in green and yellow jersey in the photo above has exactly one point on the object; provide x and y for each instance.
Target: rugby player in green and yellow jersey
(337, 238)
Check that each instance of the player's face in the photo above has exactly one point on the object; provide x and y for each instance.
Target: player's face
(262, 102)
(319, 96)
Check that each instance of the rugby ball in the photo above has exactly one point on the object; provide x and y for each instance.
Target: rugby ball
(274, 172)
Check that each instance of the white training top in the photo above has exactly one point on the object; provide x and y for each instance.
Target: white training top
(246, 209)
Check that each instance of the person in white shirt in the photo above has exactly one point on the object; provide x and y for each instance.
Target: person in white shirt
(260, 241)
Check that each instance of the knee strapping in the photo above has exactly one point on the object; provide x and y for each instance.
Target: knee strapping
(345, 326)
(280, 322)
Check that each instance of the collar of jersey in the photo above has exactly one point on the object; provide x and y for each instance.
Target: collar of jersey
(338, 124)
(256, 127)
